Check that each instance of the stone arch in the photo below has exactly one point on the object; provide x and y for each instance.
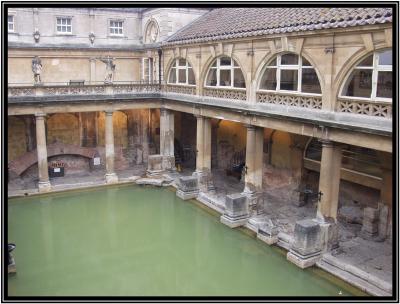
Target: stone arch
(258, 73)
(148, 27)
(172, 60)
(347, 68)
(63, 127)
(19, 165)
(211, 59)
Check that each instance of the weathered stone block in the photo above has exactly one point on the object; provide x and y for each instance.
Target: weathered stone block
(111, 178)
(168, 163)
(268, 233)
(370, 224)
(329, 236)
(306, 237)
(44, 186)
(187, 187)
(155, 165)
(236, 210)
(205, 181)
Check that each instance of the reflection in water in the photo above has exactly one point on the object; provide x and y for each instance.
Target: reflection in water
(144, 241)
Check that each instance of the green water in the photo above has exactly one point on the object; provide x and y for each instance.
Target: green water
(142, 241)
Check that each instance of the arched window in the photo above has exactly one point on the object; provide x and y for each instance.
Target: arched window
(181, 72)
(290, 73)
(371, 78)
(225, 72)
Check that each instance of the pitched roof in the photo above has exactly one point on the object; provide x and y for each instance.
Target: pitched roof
(228, 23)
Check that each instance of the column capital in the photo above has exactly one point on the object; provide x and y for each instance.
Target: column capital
(198, 116)
(40, 115)
(250, 127)
(109, 112)
(326, 143)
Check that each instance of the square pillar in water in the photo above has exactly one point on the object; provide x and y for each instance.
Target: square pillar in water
(236, 210)
(306, 247)
(187, 187)
(155, 165)
(168, 163)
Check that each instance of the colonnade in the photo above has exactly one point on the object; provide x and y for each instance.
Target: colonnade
(329, 172)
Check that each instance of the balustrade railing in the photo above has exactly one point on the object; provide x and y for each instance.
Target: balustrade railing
(180, 89)
(235, 94)
(370, 108)
(310, 102)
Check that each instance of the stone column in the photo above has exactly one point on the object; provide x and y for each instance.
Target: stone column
(329, 180)
(199, 143)
(386, 198)
(203, 157)
(254, 157)
(167, 139)
(44, 182)
(111, 177)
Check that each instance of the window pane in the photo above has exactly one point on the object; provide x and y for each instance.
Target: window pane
(191, 79)
(309, 81)
(58, 28)
(367, 62)
(359, 84)
(289, 80)
(235, 63)
(305, 62)
(384, 88)
(69, 21)
(172, 76)
(268, 81)
(238, 79)
(385, 58)
(182, 62)
(225, 78)
(214, 64)
(182, 76)
(289, 59)
(272, 63)
(212, 78)
(225, 61)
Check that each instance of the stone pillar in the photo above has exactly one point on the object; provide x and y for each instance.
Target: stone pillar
(386, 198)
(203, 155)
(199, 143)
(111, 177)
(254, 158)
(329, 180)
(44, 182)
(167, 139)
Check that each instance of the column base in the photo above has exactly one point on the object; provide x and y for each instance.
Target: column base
(303, 261)
(44, 186)
(205, 181)
(233, 222)
(329, 234)
(111, 178)
(186, 195)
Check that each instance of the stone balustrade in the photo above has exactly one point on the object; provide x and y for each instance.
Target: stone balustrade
(295, 100)
(344, 105)
(370, 108)
(235, 94)
(180, 89)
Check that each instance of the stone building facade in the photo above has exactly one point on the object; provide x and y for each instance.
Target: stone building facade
(302, 96)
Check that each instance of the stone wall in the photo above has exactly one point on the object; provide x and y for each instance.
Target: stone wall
(16, 144)
(63, 128)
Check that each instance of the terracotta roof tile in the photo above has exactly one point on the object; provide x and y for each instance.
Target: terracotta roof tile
(228, 23)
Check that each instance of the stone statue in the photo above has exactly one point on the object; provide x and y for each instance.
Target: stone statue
(37, 69)
(153, 33)
(110, 68)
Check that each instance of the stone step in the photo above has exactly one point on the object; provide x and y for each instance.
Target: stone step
(355, 276)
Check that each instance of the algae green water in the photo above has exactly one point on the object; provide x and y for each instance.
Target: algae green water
(144, 241)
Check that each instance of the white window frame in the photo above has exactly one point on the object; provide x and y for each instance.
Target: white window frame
(116, 27)
(220, 67)
(13, 23)
(375, 69)
(149, 76)
(178, 67)
(64, 25)
(299, 67)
